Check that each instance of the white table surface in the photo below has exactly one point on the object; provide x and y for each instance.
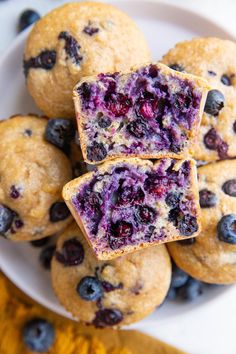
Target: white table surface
(213, 326)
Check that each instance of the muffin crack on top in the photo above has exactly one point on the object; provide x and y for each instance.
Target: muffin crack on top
(77, 40)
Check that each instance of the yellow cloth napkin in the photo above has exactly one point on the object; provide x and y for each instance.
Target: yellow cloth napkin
(71, 337)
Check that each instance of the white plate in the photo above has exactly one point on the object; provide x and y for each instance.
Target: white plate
(163, 26)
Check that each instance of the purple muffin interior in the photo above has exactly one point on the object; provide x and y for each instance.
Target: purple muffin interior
(134, 204)
(143, 113)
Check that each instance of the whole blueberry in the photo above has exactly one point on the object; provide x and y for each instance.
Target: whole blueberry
(125, 195)
(171, 295)
(172, 199)
(187, 242)
(234, 126)
(191, 290)
(104, 122)
(58, 212)
(84, 91)
(90, 289)
(6, 218)
(60, 132)
(94, 201)
(96, 152)
(107, 317)
(79, 168)
(38, 335)
(176, 67)
(207, 198)
(118, 104)
(229, 187)
(226, 80)
(146, 109)
(122, 229)
(137, 128)
(139, 196)
(152, 71)
(188, 225)
(26, 19)
(223, 150)
(214, 102)
(179, 277)
(145, 214)
(40, 243)
(212, 139)
(71, 254)
(226, 229)
(45, 257)
(116, 242)
(174, 215)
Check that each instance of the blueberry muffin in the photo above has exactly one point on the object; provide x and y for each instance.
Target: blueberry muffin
(33, 172)
(112, 293)
(129, 204)
(214, 60)
(76, 40)
(211, 257)
(150, 112)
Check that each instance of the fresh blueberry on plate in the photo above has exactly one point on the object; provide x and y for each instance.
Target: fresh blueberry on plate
(60, 132)
(38, 335)
(6, 219)
(172, 293)
(27, 18)
(191, 290)
(179, 277)
(58, 212)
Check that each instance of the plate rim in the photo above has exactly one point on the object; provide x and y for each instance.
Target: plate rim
(14, 44)
(163, 3)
